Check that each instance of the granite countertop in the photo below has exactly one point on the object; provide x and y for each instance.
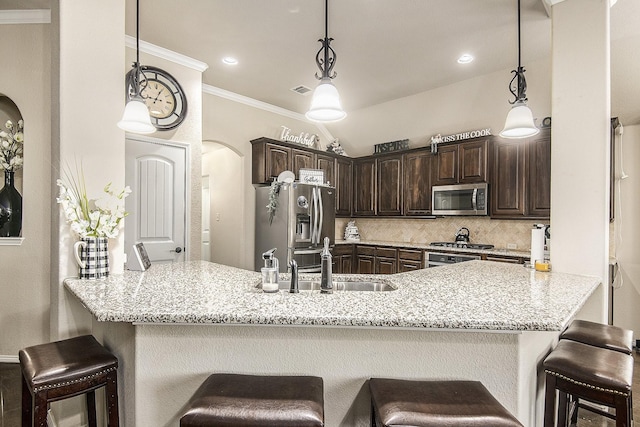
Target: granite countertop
(427, 246)
(478, 295)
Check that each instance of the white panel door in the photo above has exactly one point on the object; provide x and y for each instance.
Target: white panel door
(156, 206)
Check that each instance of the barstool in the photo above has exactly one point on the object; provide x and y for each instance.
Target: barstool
(599, 335)
(250, 400)
(590, 373)
(401, 403)
(63, 369)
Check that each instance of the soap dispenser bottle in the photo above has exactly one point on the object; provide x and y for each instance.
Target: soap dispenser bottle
(326, 281)
(270, 272)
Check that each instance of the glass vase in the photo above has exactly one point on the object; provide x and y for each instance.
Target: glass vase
(10, 207)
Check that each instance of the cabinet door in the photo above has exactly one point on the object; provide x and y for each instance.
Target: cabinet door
(302, 160)
(277, 160)
(327, 164)
(508, 187)
(364, 181)
(473, 162)
(446, 165)
(386, 265)
(346, 262)
(539, 177)
(417, 183)
(389, 189)
(344, 187)
(365, 264)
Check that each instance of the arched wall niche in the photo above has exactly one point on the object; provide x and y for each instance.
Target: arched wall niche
(9, 111)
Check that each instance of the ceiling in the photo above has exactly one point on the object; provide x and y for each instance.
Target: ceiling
(386, 49)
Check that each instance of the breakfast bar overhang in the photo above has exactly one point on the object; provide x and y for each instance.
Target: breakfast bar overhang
(175, 324)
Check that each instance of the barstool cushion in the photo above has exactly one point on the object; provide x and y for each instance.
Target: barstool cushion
(599, 335)
(437, 404)
(593, 367)
(250, 400)
(60, 363)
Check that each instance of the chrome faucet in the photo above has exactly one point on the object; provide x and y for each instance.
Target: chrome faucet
(293, 289)
(326, 281)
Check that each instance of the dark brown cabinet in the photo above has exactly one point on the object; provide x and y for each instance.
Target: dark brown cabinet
(417, 183)
(386, 260)
(389, 185)
(268, 161)
(344, 186)
(364, 181)
(328, 165)
(521, 181)
(461, 163)
(410, 260)
(365, 260)
(342, 261)
(302, 160)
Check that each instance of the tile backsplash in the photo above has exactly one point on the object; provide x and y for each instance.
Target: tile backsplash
(499, 233)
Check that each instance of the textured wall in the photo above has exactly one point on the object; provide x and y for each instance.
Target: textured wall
(496, 232)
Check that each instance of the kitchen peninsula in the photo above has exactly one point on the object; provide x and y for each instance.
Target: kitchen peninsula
(174, 324)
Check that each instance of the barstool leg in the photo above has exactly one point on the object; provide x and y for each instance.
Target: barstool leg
(550, 401)
(111, 392)
(563, 409)
(27, 404)
(40, 410)
(623, 404)
(91, 408)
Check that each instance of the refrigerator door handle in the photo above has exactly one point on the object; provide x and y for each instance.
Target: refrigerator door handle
(321, 218)
(316, 224)
(312, 223)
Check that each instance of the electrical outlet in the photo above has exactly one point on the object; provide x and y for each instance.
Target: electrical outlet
(512, 246)
(217, 216)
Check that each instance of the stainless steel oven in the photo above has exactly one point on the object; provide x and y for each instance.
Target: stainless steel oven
(435, 259)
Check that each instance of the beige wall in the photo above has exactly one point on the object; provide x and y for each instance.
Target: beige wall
(626, 232)
(24, 270)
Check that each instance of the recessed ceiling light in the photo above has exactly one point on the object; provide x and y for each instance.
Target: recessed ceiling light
(465, 59)
(230, 60)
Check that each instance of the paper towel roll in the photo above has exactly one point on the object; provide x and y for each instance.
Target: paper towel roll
(537, 244)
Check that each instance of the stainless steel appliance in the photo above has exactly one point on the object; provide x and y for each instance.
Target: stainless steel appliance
(304, 217)
(459, 199)
(435, 259)
(463, 245)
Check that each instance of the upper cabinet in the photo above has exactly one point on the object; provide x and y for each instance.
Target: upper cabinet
(344, 186)
(389, 185)
(521, 177)
(461, 163)
(417, 182)
(364, 190)
(269, 158)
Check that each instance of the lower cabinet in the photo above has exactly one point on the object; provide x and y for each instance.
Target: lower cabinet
(342, 259)
(386, 260)
(365, 259)
(410, 260)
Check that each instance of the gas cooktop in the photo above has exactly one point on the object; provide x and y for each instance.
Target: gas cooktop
(462, 245)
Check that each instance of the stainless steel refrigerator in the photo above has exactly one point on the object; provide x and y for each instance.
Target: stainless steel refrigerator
(304, 217)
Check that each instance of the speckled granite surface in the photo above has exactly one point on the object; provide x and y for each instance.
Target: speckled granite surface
(480, 295)
(504, 252)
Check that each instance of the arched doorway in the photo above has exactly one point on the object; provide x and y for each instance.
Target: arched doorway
(223, 188)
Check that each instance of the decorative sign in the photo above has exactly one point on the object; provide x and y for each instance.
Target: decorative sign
(388, 147)
(304, 138)
(466, 135)
(312, 176)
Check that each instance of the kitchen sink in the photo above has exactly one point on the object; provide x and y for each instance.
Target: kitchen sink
(349, 285)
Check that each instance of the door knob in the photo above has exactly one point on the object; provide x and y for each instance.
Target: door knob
(176, 250)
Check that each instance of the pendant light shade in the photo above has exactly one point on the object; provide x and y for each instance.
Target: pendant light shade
(325, 103)
(136, 117)
(519, 123)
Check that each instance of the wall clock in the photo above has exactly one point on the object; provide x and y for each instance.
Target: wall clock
(162, 94)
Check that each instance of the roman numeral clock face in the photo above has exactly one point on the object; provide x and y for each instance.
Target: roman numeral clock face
(164, 97)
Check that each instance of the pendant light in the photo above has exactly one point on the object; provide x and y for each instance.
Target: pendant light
(325, 103)
(519, 123)
(136, 117)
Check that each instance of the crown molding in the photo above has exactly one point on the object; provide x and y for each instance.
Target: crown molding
(25, 16)
(241, 99)
(169, 55)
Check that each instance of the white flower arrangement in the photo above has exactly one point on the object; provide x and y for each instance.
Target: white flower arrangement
(11, 146)
(91, 217)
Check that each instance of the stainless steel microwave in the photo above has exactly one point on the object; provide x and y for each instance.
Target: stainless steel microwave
(459, 199)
